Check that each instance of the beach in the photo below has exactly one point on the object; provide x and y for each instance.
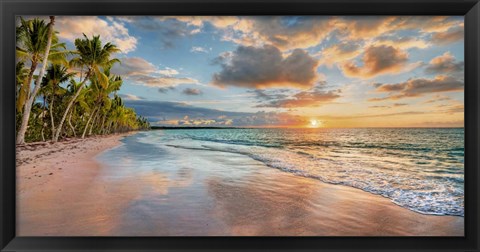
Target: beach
(120, 185)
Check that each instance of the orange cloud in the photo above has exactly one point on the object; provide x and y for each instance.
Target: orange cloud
(402, 42)
(364, 27)
(305, 33)
(450, 36)
(419, 87)
(133, 66)
(377, 60)
(303, 99)
(161, 81)
(426, 24)
(339, 53)
(444, 63)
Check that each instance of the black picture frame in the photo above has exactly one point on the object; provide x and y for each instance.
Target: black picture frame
(11, 8)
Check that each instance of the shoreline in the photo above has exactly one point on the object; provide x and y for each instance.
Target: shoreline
(78, 199)
(50, 175)
(37, 160)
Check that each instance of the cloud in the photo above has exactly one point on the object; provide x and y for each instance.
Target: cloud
(330, 117)
(311, 98)
(450, 36)
(375, 26)
(426, 24)
(286, 33)
(164, 90)
(444, 64)
(419, 87)
(379, 106)
(264, 95)
(291, 32)
(133, 66)
(131, 97)
(431, 124)
(261, 67)
(168, 71)
(73, 27)
(181, 114)
(377, 60)
(161, 81)
(270, 119)
(459, 108)
(167, 30)
(340, 52)
(356, 28)
(402, 42)
(199, 21)
(199, 49)
(157, 110)
(192, 91)
(438, 98)
(186, 121)
(142, 72)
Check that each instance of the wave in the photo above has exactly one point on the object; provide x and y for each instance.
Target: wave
(420, 193)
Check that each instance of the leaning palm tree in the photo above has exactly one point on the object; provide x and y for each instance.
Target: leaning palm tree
(56, 75)
(32, 38)
(100, 96)
(21, 75)
(34, 42)
(92, 57)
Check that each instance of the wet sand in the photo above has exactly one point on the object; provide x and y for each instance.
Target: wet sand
(194, 193)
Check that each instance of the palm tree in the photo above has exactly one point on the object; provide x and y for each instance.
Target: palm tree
(93, 57)
(21, 75)
(31, 44)
(56, 75)
(100, 97)
(81, 101)
(34, 43)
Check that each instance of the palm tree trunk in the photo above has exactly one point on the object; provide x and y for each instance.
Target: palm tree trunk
(93, 122)
(69, 106)
(24, 91)
(50, 106)
(70, 123)
(88, 122)
(43, 136)
(38, 84)
(102, 129)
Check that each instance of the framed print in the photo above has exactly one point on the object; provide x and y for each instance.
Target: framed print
(199, 125)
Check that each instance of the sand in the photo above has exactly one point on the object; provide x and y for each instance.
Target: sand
(53, 175)
(64, 191)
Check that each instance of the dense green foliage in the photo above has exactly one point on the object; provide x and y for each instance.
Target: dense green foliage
(78, 97)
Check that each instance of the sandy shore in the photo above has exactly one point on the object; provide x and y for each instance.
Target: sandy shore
(51, 175)
(63, 190)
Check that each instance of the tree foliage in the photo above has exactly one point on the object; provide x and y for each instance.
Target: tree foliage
(64, 107)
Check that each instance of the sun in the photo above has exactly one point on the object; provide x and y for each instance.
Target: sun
(315, 123)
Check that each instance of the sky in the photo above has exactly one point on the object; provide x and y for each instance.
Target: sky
(286, 71)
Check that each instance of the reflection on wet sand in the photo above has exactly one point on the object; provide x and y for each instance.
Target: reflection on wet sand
(301, 206)
(139, 190)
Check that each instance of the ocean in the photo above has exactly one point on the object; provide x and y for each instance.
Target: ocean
(421, 169)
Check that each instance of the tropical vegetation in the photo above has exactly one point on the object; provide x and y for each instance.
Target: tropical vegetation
(74, 93)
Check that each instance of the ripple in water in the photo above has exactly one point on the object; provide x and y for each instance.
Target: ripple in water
(419, 169)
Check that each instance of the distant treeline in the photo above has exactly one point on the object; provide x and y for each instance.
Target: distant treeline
(190, 127)
(73, 94)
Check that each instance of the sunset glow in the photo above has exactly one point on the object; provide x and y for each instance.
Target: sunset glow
(282, 71)
(254, 126)
(315, 124)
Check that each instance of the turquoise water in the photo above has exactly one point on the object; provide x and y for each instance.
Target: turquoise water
(419, 169)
